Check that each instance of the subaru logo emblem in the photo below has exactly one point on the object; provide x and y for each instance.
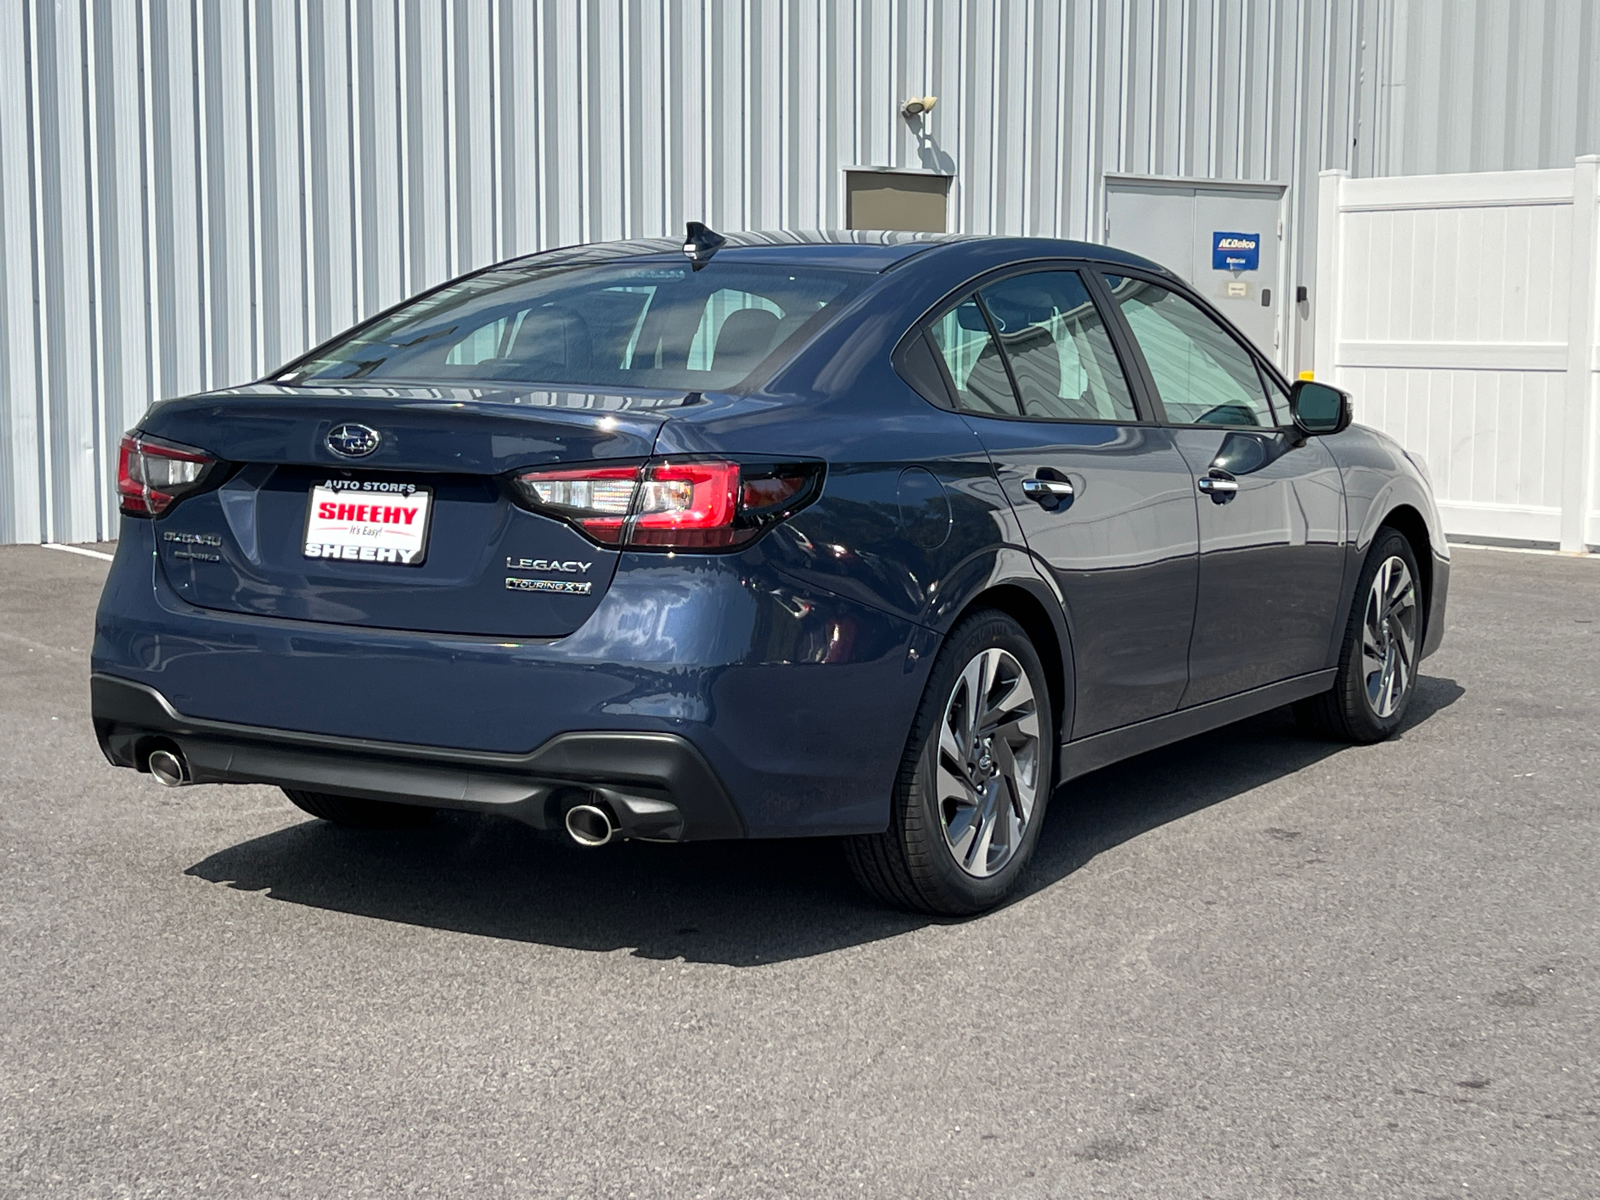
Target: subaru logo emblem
(353, 441)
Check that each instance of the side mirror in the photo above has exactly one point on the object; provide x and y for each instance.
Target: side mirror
(1317, 408)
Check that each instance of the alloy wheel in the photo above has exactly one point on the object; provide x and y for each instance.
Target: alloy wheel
(988, 762)
(1389, 637)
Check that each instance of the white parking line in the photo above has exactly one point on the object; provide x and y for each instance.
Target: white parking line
(78, 550)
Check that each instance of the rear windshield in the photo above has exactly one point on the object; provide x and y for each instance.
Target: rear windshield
(651, 326)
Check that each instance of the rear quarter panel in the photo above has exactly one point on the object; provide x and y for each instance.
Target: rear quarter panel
(911, 519)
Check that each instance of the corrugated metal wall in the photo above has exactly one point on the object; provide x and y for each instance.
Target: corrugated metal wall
(194, 190)
(1482, 85)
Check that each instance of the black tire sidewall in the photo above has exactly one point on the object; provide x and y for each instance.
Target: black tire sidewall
(953, 890)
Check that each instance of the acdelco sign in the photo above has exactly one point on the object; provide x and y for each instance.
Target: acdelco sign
(1235, 251)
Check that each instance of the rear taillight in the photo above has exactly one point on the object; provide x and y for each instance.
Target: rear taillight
(691, 506)
(672, 504)
(151, 474)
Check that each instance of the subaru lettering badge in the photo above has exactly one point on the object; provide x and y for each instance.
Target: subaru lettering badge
(353, 441)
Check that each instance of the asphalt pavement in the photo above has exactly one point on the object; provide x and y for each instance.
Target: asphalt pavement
(1252, 965)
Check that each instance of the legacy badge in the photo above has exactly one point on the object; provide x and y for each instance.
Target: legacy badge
(547, 564)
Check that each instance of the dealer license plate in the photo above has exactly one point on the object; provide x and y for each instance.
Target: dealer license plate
(356, 521)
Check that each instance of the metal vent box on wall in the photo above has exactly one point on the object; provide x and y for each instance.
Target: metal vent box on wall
(883, 198)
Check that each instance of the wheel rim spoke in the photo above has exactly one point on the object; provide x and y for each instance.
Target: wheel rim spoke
(977, 857)
(962, 832)
(1003, 696)
(952, 752)
(1018, 783)
(1008, 819)
(969, 692)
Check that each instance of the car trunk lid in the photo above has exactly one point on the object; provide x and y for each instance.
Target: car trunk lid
(416, 531)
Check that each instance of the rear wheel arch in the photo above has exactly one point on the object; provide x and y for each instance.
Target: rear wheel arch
(1027, 609)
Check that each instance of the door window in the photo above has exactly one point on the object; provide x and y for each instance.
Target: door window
(1204, 376)
(973, 359)
(1060, 352)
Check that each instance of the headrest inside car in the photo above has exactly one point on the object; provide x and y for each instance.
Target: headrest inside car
(552, 338)
(745, 337)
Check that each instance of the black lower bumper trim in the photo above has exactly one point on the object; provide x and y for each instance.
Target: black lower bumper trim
(657, 784)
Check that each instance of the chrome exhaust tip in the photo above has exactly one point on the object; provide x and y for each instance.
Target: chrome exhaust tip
(590, 825)
(168, 767)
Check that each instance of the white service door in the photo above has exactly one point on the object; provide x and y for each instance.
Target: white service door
(1176, 226)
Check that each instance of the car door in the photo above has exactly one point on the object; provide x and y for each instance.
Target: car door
(1100, 490)
(1270, 502)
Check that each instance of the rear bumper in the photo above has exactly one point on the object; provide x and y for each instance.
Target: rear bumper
(796, 699)
(657, 784)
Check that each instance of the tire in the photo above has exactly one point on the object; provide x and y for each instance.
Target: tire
(1384, 631)
(354, 813)
(967, 806)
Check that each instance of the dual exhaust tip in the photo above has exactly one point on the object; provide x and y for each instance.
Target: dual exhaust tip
(588, 825)
(168, 767)
(591, 825)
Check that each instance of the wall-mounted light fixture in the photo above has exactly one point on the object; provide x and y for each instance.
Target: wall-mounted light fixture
(918, 105)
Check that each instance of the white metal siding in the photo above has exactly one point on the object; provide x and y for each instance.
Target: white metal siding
(196, 190)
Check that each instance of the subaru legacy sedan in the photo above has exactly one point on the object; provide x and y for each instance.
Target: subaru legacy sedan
(875, 537)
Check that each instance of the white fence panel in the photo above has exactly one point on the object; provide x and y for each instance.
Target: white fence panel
(1464, 322)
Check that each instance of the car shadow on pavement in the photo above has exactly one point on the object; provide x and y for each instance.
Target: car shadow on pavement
(734, 903)
(1122, 801)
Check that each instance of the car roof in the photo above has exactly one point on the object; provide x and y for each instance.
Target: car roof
(866, 250)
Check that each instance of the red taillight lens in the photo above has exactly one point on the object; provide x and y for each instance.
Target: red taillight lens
(690, 506)
(672, 505)
(151, 474)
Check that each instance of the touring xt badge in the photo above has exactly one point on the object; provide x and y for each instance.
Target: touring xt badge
(563, 587)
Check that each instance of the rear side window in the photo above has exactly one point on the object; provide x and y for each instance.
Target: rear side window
(645, 325)
(1058, 347)
(1203, 374)
(973, 358)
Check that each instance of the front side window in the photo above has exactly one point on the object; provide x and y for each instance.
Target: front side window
(645, 325)
(1059, 349)
(1204, 376)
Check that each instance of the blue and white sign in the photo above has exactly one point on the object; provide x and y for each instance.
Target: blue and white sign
(1235, 251)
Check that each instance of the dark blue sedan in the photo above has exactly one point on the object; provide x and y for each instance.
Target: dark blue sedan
(867, 536)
